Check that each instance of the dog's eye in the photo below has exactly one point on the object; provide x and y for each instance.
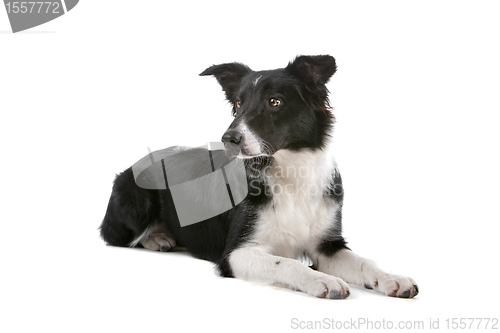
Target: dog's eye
(238, 104)
(274, 102)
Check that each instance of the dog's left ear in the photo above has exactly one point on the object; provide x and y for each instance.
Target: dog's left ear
(229, 77)
(313, 70)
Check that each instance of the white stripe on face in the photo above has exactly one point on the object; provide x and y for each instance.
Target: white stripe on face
(256, 80)
(251, 144)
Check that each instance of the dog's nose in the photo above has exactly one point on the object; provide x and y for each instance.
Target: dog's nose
(232, 136)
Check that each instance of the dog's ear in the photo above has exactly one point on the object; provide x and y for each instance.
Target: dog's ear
(314, 71)
(229, 77)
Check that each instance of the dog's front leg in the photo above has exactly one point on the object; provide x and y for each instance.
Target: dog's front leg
(363, 272)
(256, 263)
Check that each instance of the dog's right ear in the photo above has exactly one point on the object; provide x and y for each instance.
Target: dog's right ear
(315, 71)
(229, 77)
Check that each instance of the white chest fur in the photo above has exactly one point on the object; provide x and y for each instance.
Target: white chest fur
(299, 214)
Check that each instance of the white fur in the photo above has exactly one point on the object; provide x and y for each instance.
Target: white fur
(299, 214)
(255, 263)
(153, 238)
(251, 143)
(256, 80)
(364, 272)
(144, 235)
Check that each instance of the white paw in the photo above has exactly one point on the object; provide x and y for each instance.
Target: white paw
(158, 242)
(327, 286)
(395, 286)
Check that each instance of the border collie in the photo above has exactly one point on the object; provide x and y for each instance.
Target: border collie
(282, 130)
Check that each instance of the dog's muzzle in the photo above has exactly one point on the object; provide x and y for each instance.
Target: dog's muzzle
(232, 140)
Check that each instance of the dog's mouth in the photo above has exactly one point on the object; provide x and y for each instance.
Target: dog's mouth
(243, 152)
(231, 149)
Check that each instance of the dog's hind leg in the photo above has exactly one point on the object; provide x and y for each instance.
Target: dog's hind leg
(132, 217)
(131, 212)
(154, 238)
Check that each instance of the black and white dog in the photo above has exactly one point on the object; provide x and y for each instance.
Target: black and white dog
(282, 131)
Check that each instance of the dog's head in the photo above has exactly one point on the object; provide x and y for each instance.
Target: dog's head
(285, 108)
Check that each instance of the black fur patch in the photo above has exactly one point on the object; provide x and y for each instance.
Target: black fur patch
(331, 246)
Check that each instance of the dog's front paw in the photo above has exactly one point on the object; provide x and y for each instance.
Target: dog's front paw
(396, 286)
(326, 286)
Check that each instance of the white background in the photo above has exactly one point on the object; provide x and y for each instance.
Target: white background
(417, 101)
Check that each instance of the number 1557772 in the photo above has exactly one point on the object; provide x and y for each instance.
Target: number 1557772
(32, 7)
